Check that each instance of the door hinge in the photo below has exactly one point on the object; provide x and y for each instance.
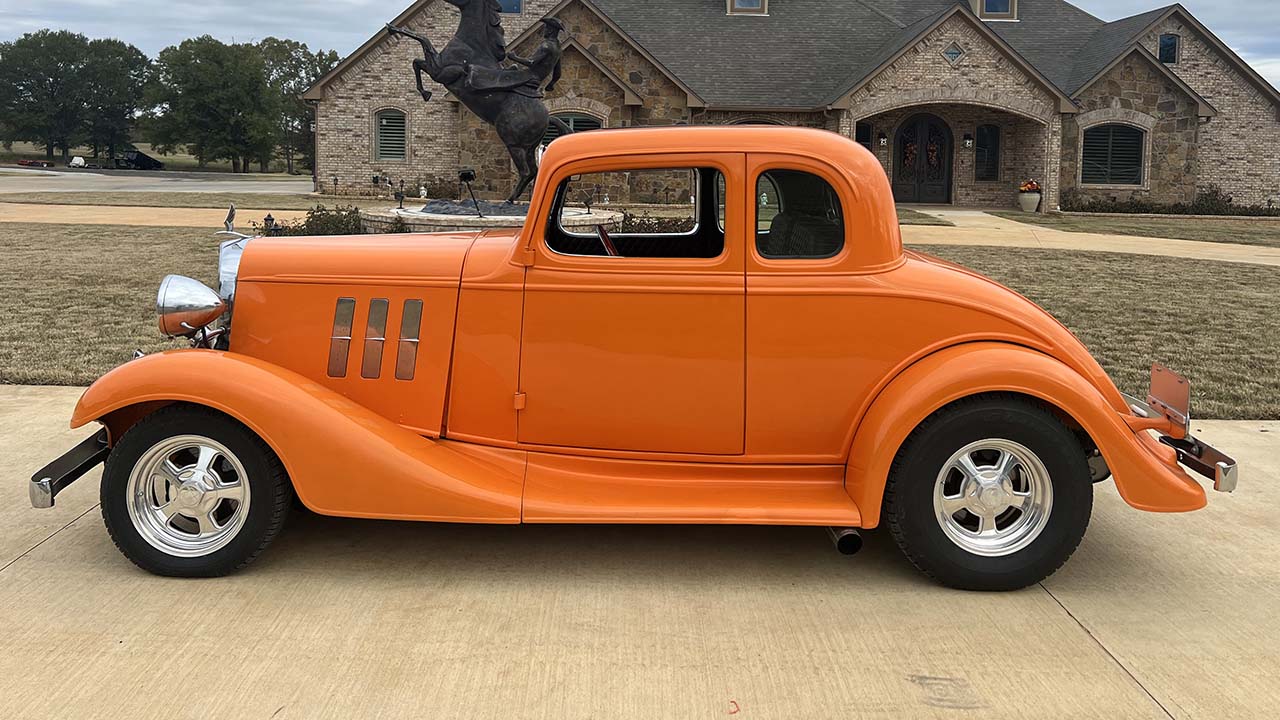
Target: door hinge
(526, 256)
(520, 401)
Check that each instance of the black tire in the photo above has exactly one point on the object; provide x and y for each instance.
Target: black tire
(909, 494)
(269, 487)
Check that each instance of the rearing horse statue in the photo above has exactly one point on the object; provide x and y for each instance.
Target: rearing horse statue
(470, 67)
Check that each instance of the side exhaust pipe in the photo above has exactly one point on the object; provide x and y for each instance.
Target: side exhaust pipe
(848, 541)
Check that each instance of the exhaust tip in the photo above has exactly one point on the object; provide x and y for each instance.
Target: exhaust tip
(848, 541)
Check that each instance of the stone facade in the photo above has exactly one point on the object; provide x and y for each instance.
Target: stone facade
(1041, 129)
(1137, 94)
(1237, 147)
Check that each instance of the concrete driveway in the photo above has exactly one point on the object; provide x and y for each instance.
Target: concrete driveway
(1155, 616)
(14, 180)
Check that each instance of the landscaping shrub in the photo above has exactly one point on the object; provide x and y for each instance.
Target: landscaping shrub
(1210, 201)
(650, 225)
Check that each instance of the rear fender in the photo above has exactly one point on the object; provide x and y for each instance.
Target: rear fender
(1146, 473)
(343, 459)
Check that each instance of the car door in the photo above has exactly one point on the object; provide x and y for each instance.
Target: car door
(643, 350)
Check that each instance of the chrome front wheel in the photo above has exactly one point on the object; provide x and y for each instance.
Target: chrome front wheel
(188, 496)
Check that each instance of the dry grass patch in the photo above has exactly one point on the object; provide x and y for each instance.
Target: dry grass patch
(80, 299)
(906, 216)
(1215, 322)
(247, 201)
(1219, 230)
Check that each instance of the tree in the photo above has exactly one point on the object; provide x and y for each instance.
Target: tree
(214, 98)
(46, 84)
(291, 68)
(117, 75)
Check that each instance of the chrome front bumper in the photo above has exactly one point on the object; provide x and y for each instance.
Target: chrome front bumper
(57, 475)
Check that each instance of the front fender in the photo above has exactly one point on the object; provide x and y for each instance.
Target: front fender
(343, 459)
(1146, 473)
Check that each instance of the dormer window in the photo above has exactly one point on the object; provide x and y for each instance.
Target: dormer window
(998, 9)
(748, 7)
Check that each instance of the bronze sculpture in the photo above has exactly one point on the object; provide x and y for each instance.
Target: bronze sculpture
(508, 98)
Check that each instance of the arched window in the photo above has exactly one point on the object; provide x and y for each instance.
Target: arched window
(986, 154)
(1169, 47)
(390, 137)
(577, 122)
(1112, 155)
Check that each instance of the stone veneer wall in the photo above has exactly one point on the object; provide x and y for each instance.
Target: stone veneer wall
(1022, 148)
(1136, 93)
(983, 84)
(1237, 149)
(382, 79)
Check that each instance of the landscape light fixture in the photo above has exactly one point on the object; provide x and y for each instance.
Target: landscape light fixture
(467, 176)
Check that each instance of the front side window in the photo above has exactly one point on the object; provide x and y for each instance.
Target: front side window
(1169, 49)
(986, 154)
(1112, 155)
(646, 213)
(748, 7)
(511, 6)
(390, 135)
(799, 216)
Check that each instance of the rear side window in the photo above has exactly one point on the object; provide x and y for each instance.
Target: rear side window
(798, 216)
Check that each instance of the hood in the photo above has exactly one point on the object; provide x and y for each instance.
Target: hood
(414, 259)
(1040, 330)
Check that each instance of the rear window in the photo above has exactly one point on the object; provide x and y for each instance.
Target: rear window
(799, 216)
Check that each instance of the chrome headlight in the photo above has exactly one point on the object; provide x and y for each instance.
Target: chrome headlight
(185, 306)
(229, 254)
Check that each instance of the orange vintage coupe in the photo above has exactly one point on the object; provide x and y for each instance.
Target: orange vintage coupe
(757, 349)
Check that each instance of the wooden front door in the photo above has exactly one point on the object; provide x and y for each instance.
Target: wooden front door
(922, 161)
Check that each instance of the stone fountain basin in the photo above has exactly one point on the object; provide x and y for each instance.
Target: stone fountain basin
(454, 216)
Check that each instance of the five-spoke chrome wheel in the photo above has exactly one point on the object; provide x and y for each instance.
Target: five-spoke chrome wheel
(993, 497)
(188, 496)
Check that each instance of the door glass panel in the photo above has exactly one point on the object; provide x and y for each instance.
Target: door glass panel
(908, 153)
(934, 161)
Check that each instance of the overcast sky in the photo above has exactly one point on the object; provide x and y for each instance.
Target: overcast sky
(1248, 26)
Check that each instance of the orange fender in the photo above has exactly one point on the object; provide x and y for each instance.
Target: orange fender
(1146, 473)
(343, 459)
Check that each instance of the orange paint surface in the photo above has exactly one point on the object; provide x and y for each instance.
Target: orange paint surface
(553, 388)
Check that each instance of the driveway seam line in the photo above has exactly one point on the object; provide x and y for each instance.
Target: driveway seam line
(1107, 650)
(29, 550)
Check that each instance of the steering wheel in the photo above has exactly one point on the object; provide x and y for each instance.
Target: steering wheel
(609, 248)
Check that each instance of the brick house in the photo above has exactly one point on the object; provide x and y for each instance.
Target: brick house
(960, 101)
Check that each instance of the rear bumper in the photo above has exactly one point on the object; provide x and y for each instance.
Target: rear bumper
(57, 475)
(1206, 460)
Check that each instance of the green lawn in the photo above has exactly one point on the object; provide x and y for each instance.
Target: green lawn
(1221, 230)
(915, 217)
(81, 299)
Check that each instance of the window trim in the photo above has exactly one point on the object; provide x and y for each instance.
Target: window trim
(560, 202)
(753, 222)
(1144, 184)
(376, 145)
(1012, 15)
(732, 9)
(1177, 48)
(999, 152)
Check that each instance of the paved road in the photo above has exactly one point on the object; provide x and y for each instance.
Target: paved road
(22, 180)
(1156, 616)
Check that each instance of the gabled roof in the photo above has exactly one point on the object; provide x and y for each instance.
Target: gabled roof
(316, 91)
(1105, 46)
(1205, 109)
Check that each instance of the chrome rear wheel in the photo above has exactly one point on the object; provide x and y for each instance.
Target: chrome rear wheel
(993, 497)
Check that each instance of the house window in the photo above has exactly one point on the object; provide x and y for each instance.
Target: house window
(390, 138)
(998, 9)
(862, 134)
(1169, 49)
(748, 7)
(511, 6)
(986, 154)
(1112, 155)
(577, 122)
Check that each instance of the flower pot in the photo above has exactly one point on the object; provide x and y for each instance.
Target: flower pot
(1029, 201)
